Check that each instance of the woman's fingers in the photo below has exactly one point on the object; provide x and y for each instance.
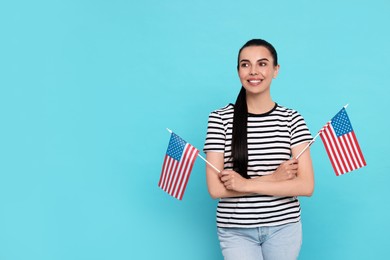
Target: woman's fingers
(228, 179)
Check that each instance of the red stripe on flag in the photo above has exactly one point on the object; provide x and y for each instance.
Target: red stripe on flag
(340, 153)
(183, 184)
(335, 150)
(172, 183)
(361, 157)
(168, 172)
(178, 174)
(192, 153)
(163, 174)
(352, 153)
(345, 153)
(188, 175)
(172, 173)
(188, 159)
(182, 171)
(329, 150)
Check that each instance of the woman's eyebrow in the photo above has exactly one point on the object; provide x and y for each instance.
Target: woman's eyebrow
(262, 59)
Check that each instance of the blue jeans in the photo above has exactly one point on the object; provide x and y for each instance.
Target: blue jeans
(269, 243)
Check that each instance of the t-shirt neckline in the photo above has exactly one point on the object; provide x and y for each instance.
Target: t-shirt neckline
(262, 114)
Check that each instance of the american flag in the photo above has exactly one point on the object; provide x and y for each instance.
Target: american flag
(341, 144)
(178, 162)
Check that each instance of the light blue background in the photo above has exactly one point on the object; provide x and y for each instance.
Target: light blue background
(87, 89)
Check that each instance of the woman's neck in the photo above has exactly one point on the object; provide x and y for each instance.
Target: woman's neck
(259, 104)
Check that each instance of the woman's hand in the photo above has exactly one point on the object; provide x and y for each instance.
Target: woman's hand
(288, 170)
(233, 180)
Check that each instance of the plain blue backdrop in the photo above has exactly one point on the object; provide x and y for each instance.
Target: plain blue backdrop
(87, 89)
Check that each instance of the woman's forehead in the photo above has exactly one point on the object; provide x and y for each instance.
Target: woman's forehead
(255, 52)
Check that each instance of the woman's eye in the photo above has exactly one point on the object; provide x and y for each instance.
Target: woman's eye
(244, 65)
(262, 64)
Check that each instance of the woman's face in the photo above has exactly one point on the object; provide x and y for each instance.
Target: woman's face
(256, 69)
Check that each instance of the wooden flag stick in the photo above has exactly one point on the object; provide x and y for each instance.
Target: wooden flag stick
(201, 157)
(307, 146)
(212, 166)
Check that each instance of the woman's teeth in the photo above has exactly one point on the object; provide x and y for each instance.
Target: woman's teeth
(254, 81)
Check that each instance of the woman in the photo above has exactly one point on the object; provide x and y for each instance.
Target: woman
(255, 142)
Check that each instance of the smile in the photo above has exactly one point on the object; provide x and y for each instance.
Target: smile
(254, 81)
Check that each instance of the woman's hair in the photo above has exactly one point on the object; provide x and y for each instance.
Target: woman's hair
(240, 117)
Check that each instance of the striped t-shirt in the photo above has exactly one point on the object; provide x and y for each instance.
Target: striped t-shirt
(270, 139)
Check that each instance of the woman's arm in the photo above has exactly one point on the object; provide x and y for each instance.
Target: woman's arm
(301, 185)
(219, 189)
(215, 186)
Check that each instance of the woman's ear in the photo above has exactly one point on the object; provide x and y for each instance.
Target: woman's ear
(276, 71)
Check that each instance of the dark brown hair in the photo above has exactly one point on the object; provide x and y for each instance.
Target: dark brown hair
(240, 117)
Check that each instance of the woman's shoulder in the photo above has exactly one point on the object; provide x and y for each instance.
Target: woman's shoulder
(226, 110)
(292, 114)
(286, 110)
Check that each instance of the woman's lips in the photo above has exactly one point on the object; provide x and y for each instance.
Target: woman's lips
(254, 81)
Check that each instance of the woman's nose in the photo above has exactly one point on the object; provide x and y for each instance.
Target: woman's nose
(254, 71)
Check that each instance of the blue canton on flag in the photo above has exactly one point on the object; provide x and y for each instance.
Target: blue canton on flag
(176, 147)
(341, 123)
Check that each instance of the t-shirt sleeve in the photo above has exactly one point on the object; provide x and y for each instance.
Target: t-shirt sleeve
(216, 135)
(299, 130)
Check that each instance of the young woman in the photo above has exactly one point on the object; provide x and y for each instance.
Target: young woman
(255, 142)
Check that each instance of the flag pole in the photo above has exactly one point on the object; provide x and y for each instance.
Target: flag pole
(308, 145)
(201, 157)
(212, 166)
(312, 141)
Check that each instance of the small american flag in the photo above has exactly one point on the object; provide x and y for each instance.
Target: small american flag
(341, 144)
(176, 170)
